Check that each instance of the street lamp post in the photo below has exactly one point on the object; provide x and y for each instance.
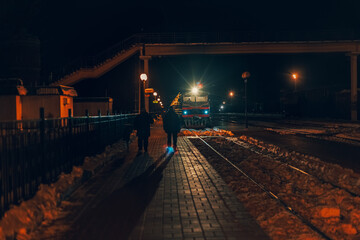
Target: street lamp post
(294, 76)
(143, 78)
(245, 76)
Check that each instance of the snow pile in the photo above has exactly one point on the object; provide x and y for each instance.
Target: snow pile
(94, 163)
(206, 132)
(354, 136)
(293, 131)
(20, 220)
(334, 173)
(346, 133)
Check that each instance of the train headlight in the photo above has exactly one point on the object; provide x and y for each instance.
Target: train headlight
(194, 90)
(185, 112)
(206, 111)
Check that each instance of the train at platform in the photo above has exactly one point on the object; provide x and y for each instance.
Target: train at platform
(194, 108)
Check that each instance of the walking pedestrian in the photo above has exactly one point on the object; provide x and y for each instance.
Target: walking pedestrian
(142, 127)
(172, 126)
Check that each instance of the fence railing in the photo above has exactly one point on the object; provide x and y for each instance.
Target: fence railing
(37, 151)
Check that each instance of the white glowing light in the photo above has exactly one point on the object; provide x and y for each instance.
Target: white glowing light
(143, 77)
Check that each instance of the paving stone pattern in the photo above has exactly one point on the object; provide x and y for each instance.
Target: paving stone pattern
(193, 202)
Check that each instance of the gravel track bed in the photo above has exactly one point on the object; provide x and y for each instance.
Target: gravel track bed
(276, 221)
(330, 209)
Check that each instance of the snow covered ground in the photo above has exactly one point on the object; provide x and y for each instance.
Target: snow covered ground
(19, 221)
(338, 132)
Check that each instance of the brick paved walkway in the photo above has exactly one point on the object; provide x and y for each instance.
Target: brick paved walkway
(193, 202)
(183, 198)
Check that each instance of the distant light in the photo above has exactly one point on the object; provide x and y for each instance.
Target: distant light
(185, 112)
(158, 99)
(155, 94)
(206, 111)
(245, 75)
(222, 106)
(231, 93)
(200, 85)
(294, 76)
(224, 102)
(143, 77)
(161, 103)
(195, 90)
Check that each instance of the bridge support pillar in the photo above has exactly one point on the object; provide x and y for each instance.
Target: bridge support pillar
(146, 70)
(354, 90)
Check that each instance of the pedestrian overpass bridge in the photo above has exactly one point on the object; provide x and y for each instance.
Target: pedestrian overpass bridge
(153, 45)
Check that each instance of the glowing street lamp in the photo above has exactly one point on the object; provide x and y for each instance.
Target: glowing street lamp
(294, 76)
(231, 93)
(143, 78)
(155, 94)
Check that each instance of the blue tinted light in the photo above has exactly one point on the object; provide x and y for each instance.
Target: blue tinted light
(206, 111)
(170, 150)
(185, 112)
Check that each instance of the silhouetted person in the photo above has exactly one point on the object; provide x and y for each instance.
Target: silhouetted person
(172, 126)
(142, 126)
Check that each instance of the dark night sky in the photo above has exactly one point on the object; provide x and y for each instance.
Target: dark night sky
(75, 28)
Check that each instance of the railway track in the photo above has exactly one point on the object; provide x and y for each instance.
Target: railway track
(271, 170)
(296, 168)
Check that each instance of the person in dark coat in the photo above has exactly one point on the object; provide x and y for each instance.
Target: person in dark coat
(172, 126)
(142, 126)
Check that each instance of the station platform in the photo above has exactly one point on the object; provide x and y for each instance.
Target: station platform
(191, 201)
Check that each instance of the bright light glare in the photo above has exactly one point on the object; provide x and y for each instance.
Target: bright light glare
(185, 112)
(155, 94)
(158, 99)
(294, 76)
(222, 107)
(231, 94)
(194, 90)
(143, 77)
(206, 112)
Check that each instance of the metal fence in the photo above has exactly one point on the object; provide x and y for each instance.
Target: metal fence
(37, 151)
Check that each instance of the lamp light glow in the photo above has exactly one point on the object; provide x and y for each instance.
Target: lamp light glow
(143, 77)
(195, 90)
